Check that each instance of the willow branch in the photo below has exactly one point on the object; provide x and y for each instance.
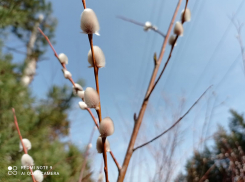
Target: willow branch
(115, 160)
(142, 25)
(50, 44)
(96, 74)
(63, 65)
(84, 4)
(138, 120)
(96, 70)
(95, 122)
(169, 56)
(176, 122)
(24, 148)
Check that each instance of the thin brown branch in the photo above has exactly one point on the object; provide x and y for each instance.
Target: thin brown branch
(24, 148)
(115, 160)
(142, 25)
(182, 20)
(95, 122)
(50, 44)
(175, 122)
(138, 120)
(96, 70)
(105, 159)
(63, 65)
(165, 66)
(86, 155)
(18, 51)
(84, 4)
(169, 56)
(205, 176)
(239, 38)
(18, 129)
(96, 74)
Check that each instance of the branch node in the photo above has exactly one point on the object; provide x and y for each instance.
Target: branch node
(155, 59)
(135, 117)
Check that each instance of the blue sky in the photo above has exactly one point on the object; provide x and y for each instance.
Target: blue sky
(207, 54)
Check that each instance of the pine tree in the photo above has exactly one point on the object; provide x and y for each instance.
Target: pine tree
(43, 122)
(223, 162)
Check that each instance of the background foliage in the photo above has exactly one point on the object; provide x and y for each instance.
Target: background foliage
(44, 122)
(225, 160)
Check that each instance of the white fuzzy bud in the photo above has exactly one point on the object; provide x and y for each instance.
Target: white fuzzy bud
(90, 145)
(106, 127)
(80, 94)
(147, 26)
(82, 105)
(187, 16)
(91, 98)
(171, 40)
(99, 145)
(26, 143)
(26, 160)
(89, 22)
(99, 57)
(77, 88)
(178, 28)
(38, 175)
(66, 73)
(63, 58)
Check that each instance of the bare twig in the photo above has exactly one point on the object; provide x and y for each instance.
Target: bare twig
(105, 159)
(115, 160)
(139, 118)
(174, 123)
(239, 26)
(142, 25)
(16, 50)
(84, 4)
(96, 74)
(95, 122)
(24, 148)
(169, 56)
(50, 44)
(207, 173)
(86, 155)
